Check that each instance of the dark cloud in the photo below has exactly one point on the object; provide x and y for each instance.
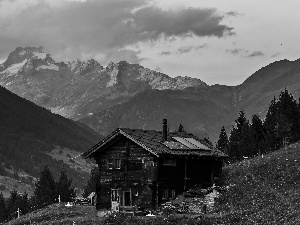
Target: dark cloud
(165, 53)
(186, 49)
(200, 22)
(98, 29)
(235, 51)
(244, 52)
(255, 53)
(232, 13)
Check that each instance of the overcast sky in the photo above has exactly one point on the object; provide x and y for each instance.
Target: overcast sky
(217, 41)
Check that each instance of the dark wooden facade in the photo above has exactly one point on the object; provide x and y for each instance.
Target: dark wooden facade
(133, 174)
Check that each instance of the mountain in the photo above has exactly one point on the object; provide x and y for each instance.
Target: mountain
(129, 95)
(191, 107)
(30, 135)
(202, 110)
(78, 89)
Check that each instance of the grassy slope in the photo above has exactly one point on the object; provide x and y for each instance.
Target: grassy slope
(60, 214)
(266, 189)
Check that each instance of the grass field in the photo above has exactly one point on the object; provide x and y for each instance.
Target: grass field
(264, 190)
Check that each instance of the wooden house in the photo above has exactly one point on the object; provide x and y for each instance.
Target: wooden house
(144, 168)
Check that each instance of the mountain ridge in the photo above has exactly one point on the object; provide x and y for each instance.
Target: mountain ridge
(65, 88)
(88, 92)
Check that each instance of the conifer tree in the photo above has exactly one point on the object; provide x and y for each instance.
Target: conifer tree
(233, 144)
(13, 203)
(237, 144)
(257, 135)
(288, 117)
(45, 189)
(270, 124)
(3, 209)
(282, 121)
(24, 203)
(222, 143)
(245, 146)
(92, 182)
(64, 188)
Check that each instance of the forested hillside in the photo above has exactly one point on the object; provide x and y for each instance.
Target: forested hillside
(28, 132)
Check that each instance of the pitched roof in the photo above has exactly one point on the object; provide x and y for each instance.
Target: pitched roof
(152, 141)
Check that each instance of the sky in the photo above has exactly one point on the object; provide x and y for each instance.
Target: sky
(217, 41)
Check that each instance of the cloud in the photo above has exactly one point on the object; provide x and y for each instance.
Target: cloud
(124, 54)
(276, 54)
(255, 53)
(200, 22)
(244, 52)
(235, 51)
(232, 13)
(186, 49)
(165, 53)
(78, 29)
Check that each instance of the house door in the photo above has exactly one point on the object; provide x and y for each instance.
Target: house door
(115, 200)
(127, 198)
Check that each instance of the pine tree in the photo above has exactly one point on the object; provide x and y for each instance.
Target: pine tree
(24, 203)
(64, 188)
(92, 182)
(270, 124)
(257, 135)
(45, 189)
(3, 209)
(288, 117)
(245, 146)
(282, 121)
(13, 203)
(233, 144)
(240, 121)
(238, 146)
(222, 143)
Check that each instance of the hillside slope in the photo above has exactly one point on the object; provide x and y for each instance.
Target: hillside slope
(191, 107)
(263, 190)
(29, 133)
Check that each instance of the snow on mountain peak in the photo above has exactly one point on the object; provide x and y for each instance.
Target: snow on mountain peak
(113, 75)
(48, 67)
(14, 68)
(39, 55)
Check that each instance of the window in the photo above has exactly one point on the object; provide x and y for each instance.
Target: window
(169, 162)
(168, 194)
(110, 164)
(118, 164)
(149, 171)
(115, 195)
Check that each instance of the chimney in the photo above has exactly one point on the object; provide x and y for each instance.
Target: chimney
(165, 130)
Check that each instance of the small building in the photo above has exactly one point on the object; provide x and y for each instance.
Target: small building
(145, 168)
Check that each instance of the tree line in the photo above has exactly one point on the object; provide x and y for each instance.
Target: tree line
(47, 191)
(250, 138)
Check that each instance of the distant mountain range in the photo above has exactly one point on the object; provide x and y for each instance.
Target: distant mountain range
(129, 95)
(79, 89)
